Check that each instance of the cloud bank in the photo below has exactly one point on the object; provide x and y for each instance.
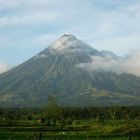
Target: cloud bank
(129, 64)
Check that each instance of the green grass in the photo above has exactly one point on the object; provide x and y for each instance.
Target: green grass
(85, 130)
(63, 136)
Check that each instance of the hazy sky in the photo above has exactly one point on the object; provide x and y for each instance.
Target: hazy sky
(28, 26)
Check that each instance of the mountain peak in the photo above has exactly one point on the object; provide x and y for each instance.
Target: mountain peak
(68, 43)
(65, 42)
(68, 36)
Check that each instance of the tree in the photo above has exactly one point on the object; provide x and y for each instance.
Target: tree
(113, 112)
(52, 109)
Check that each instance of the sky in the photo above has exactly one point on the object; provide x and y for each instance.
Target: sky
(29, 26)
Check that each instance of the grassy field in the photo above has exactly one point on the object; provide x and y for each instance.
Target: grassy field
(84, 130)
(64, 136)
(70, 124)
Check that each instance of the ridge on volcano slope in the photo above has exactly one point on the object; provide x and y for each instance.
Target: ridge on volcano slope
(56, 71)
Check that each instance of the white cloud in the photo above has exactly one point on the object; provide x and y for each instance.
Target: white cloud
(8, 4)
(129, 64)
(21, 4)
(32, 18)
(4, 67)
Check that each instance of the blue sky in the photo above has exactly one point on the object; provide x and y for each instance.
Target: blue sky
(28, 26)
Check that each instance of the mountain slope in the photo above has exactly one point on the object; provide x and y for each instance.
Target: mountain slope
(56, 71)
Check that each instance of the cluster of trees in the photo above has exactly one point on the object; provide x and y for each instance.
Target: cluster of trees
(53, 113)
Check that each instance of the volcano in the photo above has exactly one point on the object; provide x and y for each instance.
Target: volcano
(56, 71)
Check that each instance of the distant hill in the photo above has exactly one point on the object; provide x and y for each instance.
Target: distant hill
(56, 71)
